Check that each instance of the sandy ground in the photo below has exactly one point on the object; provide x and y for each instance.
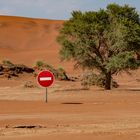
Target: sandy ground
(71, 113)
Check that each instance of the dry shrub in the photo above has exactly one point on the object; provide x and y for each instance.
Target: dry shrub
(59, 73)
(30, 84)
(90, 78)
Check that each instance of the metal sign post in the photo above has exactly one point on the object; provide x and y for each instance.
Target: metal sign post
(46, 95)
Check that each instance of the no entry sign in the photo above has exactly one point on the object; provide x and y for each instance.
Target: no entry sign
(45, 78)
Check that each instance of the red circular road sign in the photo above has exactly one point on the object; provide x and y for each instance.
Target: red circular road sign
(45, 78)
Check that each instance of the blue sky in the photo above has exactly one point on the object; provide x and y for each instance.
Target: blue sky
(56, 9)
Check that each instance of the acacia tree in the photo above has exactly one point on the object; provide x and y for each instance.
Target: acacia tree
(107, 40)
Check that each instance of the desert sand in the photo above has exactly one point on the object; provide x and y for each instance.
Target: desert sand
(26, 40)
(71, 112)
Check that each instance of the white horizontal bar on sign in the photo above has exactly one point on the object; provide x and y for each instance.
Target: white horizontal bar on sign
(45, 78)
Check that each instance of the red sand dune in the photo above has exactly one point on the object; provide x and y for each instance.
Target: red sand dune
(25, 40)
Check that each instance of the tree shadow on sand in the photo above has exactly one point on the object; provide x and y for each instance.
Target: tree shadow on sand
(77, 89)
(133, 89)
(129, 89)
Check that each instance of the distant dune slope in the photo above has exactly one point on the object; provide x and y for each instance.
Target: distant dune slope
(25, 40)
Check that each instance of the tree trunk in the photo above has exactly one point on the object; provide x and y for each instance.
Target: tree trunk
(108, 81)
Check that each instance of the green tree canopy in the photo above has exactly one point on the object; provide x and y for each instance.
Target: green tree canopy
(107, 40)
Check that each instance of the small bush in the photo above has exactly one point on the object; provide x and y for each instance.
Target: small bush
(29, 84)
(39, 64)
(91, 78)
(59, 73)
(7, 63)
(62, 74)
